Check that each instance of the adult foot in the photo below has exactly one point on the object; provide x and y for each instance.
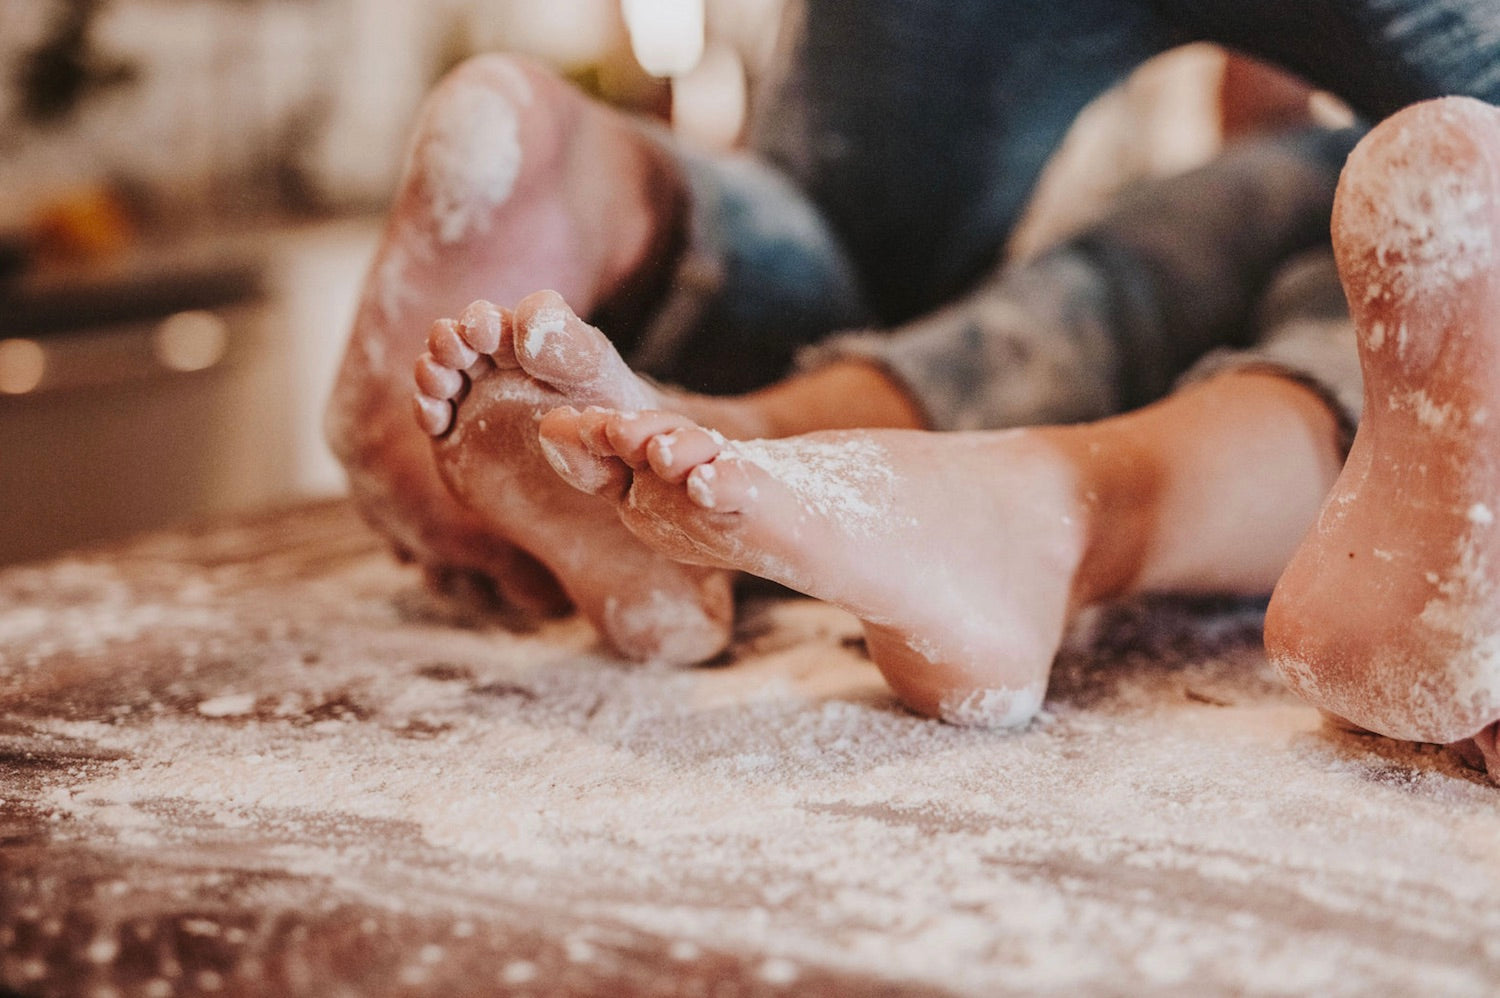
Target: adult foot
(959, 552)
(515, 181)
(1389, 614)
(483, 385)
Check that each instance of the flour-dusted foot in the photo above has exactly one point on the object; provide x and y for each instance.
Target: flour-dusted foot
(1389, 614)
(957, 551)
(515, 181)
(483, 385)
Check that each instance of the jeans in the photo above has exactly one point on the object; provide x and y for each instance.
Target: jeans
(897, 142)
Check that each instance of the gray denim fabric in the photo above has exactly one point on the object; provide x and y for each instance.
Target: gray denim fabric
(761, 276)
(900, 139)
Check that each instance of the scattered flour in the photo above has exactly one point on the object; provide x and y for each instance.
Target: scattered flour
(1426, 208)
(843, 478)
(1435, 416)
(785, 809)
(228, 705)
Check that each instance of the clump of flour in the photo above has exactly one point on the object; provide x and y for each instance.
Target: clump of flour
(997, 707)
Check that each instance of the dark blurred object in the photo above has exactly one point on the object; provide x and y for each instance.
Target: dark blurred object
(58, 74)
(58, 299)
(14, 252)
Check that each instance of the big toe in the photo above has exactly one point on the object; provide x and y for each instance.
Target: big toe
(560, 435)
(555, 346)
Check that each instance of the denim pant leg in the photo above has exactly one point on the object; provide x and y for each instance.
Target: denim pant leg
(1110, 319)
(907, 135)
(897, 142)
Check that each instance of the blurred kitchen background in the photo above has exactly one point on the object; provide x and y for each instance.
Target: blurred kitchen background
(190, 191)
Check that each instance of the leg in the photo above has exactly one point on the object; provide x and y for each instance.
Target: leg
(516, 181)
(1110, 319)
(1387, 614)
(1040, 345)
(965, 553)
(870, 91)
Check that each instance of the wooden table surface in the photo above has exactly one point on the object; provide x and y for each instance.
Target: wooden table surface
(256, 759)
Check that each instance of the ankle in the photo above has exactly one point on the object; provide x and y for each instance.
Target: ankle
(1115, 495)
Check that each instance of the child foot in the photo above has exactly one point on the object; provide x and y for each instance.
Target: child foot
(959, 552)
(515, 181)
(483, 385)
(1389, 614)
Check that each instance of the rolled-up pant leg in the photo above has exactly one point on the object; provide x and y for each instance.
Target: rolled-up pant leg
(1110, 319)
(900, 140)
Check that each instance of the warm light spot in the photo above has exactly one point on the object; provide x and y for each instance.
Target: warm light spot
(708, 103)
(22, 364)
(191, 341)
(666, 35)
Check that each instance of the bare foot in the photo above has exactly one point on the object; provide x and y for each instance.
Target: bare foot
(515, 181)
(1389, 614)
(958, 551)
(484, 383)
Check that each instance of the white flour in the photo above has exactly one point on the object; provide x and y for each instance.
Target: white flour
(992, 708)
(845, 479)
(1172, 820)
(469, 155)
(545, 324)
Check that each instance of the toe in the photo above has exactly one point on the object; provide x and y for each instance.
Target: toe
(629, 433)
(593, 431)
(482, 326)
(561, 440)
(726, 485)
(437, 380)
(435, 416)
(556, 346)
(673, 455)
(448, 348)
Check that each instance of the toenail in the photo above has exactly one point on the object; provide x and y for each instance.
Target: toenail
(661, 447)
(481, 326)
